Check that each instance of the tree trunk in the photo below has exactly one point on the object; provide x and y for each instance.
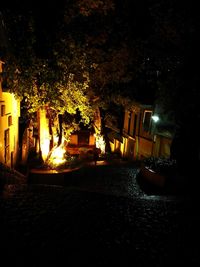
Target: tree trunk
(44, 136)
(60, 120)
(104, 132)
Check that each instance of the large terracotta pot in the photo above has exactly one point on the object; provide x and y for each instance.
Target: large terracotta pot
(153, 177)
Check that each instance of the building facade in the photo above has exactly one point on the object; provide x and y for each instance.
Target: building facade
(9, 126)
(141, 137)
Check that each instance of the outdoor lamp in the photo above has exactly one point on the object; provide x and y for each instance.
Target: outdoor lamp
(155, 118)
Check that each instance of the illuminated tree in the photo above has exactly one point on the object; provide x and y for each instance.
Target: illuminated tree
(131, 50)
(50, 86)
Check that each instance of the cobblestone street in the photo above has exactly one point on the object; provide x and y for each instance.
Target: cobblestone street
(99, 217)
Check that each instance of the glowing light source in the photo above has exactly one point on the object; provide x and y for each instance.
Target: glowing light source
(44, 147)
(44, 134)
(57, 156)
(100, 143)
(155, 118)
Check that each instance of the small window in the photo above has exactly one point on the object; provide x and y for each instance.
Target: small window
(129, 122)
(147, 120)
(3, 110)
(7, 145)
(9, 120)
(135, 125)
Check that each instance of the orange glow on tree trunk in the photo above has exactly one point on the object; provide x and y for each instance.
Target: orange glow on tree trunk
(44, 134)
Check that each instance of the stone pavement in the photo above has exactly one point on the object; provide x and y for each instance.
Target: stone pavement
(99, 217)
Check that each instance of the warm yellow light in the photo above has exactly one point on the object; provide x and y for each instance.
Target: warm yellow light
(100, 143)
(44, 148)
(57, 156)
(44, 134)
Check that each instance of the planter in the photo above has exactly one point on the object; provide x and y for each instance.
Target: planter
(52, 177)
(153, 177)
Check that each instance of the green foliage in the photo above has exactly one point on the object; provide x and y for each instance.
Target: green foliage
(126, 52)
(60, 81)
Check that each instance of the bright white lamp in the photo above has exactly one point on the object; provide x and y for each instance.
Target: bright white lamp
(155, 118)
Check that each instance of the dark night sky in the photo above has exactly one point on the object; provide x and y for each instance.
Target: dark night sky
(135, 15)
(133, 12)
(133, 18)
